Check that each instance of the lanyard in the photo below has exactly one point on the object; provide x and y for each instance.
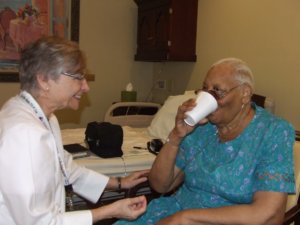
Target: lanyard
(40, 114)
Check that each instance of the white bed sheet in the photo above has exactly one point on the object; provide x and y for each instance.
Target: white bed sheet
(132, 159)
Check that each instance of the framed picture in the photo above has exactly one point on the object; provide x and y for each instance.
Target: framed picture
(24, 21)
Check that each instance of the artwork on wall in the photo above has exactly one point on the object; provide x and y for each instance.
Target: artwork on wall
(24, 21)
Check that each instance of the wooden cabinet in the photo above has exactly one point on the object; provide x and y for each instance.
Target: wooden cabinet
(166, 30)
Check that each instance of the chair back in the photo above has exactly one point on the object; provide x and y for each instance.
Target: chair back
(292, 215)
(265, 102)
(292, 199)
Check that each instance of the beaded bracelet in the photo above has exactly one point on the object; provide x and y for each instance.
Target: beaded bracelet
(168, 141)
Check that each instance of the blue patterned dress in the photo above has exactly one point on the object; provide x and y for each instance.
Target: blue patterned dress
(222, 174)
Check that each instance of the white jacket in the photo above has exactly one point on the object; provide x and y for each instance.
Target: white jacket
(31, 181)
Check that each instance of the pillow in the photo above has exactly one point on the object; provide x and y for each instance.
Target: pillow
(164, 120)
(189, 92)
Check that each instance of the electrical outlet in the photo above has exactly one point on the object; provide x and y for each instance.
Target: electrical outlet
(161, 84)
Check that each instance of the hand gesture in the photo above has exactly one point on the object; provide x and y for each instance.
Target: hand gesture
(129, 209)
(181, 129)
(134, 179)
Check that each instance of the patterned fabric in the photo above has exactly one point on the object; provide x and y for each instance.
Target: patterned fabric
(221, 174)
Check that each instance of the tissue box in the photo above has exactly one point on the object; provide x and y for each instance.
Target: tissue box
(128, 96)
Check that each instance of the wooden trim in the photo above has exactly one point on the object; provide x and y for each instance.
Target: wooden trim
(13, 77)
(9, 77)
(75, 20)
(293, 215)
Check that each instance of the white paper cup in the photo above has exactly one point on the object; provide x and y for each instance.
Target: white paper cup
(206, 104)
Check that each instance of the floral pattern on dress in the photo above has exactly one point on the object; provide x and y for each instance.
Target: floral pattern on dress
(221, 174)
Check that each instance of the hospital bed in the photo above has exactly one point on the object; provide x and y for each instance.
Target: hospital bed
(135, 118)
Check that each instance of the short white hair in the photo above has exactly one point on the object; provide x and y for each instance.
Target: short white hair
(242, 72)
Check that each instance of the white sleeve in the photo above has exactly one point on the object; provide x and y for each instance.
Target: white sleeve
(86, 183)
(31, 189)
(83, 217)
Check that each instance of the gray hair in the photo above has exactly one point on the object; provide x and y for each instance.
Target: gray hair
(242, 72)
(48, 57)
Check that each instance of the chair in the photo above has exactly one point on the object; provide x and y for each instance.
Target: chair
(292, 214)
(265, 102)
(6, 15)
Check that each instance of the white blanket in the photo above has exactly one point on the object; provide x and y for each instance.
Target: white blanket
(132, 159)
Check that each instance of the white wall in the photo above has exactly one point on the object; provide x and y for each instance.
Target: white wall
(265, 34)
(108, 37)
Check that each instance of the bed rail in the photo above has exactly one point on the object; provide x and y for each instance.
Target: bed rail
(134, 114)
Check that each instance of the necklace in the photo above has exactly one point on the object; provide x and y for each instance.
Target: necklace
(233, 129)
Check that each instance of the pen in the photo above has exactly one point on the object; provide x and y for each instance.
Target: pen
(137, 147)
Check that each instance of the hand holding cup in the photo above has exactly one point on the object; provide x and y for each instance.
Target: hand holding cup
(206, 104)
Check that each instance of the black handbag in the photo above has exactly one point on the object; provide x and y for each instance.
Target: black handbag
(104, 139)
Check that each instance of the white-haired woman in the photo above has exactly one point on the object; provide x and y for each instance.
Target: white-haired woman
(234, 167)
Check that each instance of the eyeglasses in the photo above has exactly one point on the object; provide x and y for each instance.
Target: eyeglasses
(218, 93)
(77, 76)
